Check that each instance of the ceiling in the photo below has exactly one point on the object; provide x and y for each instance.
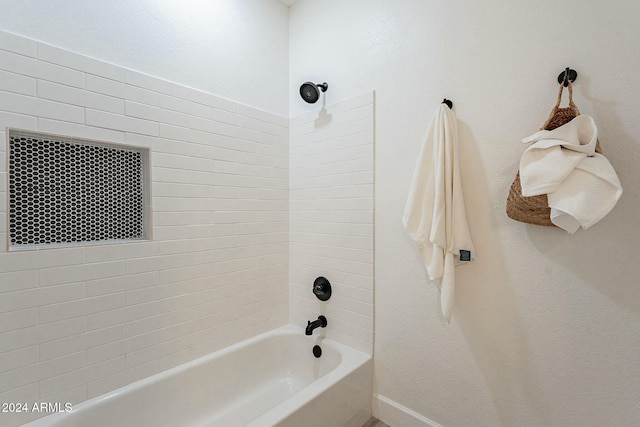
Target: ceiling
(288, 2)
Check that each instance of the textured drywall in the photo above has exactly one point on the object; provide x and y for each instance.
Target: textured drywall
(235, 49)
(546, 326)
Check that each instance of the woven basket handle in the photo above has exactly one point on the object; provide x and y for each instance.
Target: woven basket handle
(572, 105)
(568, 112)
(555, 109)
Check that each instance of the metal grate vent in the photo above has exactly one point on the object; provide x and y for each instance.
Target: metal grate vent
(70, 191)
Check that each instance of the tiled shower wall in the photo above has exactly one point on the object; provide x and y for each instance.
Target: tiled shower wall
(331, 218)
(77, 322)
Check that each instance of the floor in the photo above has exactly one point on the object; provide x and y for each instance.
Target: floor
(373, 422)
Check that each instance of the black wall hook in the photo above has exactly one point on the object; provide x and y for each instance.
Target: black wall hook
(448, 102)
(568, 75)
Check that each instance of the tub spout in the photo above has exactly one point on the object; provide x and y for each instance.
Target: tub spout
(320, 323)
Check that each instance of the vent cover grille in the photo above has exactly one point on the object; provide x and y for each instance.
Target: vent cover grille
(70, 191)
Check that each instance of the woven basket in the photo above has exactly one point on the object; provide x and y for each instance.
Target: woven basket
(535, 209)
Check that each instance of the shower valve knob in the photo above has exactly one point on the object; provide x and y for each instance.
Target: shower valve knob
(322, 288)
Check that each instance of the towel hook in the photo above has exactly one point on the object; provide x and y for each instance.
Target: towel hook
(568, 75)
(448, 102)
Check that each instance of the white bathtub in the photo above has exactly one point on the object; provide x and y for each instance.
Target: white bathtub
(269, 380)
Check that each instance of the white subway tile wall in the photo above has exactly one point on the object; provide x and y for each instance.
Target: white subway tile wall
(80, 321)
(331, 218)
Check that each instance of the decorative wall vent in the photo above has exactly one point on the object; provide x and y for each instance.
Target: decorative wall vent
(67, 191)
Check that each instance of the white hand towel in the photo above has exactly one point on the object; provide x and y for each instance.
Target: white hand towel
(434, 214)
(587, 195)
(545, 164)
(581, 185)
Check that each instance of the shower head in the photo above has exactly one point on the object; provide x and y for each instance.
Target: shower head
(310, 93)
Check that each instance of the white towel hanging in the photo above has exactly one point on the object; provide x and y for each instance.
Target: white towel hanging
(581, 185)
(434, 214)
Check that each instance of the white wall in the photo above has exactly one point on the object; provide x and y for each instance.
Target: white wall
(331, 218)
(235, 49)
(546, 327)
(79, 322)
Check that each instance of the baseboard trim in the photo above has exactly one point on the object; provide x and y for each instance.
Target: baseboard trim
(396, 415)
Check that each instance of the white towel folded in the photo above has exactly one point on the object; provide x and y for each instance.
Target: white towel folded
(434, 214)
(581, 185)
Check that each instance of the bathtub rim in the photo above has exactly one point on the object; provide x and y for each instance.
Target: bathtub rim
(351, 359)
